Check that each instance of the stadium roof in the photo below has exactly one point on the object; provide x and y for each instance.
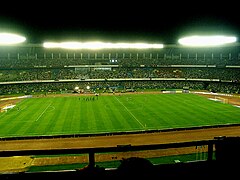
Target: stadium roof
(137, 23)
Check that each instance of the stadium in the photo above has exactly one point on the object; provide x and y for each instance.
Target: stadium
(63, 110)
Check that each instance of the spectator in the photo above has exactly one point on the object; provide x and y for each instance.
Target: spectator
(135, 167)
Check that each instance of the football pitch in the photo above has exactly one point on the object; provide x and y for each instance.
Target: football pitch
(113, 113)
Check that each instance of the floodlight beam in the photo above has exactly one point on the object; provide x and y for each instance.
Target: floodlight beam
(10, 38)
(101, 45)
(201, 41)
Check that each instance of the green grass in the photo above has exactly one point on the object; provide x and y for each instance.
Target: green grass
(56, 167)
(114, 164)
(114, 113)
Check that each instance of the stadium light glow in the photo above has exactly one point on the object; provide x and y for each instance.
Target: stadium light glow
(100, 45)
(206, 40)
(9, 38)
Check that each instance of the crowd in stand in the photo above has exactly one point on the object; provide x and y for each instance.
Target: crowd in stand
(231, 74)
(107, 86)
(217, 71)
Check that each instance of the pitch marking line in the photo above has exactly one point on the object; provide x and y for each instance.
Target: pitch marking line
(43, 112)
(129, 112)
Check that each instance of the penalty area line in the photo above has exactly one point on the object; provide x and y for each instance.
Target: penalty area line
(43, 112)
(130, 112)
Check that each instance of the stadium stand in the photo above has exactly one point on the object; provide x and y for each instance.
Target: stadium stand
(31, 70)
(214, 69)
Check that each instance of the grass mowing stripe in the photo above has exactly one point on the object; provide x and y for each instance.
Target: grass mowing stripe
(129, 112)
(43, 111)
(103, 117)
(215, 112)
(53, 120)
(39, 123)
(182, 112)
(72, 107)
(75, 126)
(152, 116)
(66, 114)
(8, 118)
(91, 116)
(26, 117)
(69, 115)
(83, 118)
(119, 120)
(169, 112)
(101, 113)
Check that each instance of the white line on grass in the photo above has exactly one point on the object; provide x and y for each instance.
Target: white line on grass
(2, 114)
(43, 112)
(130, 112)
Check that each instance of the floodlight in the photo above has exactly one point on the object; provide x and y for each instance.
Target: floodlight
(9, 38)
(206, 40)
(101, 45)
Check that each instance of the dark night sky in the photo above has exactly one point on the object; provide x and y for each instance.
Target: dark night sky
(117, 23)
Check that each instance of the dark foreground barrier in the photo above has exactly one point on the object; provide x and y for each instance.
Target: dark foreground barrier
(225, 164)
